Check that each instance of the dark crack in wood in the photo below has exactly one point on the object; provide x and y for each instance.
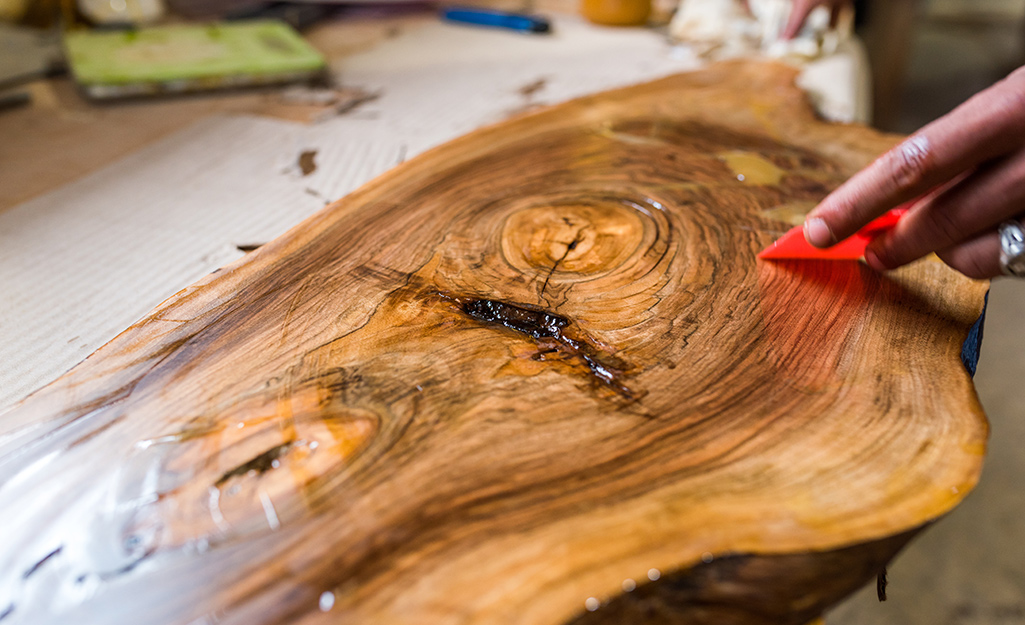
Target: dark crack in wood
(261, 464)
(550, 332)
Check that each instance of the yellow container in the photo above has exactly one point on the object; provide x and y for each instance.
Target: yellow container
(617, 12)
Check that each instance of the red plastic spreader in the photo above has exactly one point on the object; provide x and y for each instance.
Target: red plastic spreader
(793, 245)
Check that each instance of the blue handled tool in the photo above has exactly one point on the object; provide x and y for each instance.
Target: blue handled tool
(498, 19)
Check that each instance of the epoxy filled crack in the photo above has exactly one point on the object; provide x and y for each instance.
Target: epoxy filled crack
(555, 339)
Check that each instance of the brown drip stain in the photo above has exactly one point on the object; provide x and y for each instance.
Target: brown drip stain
(555, 340)
(307, 162)
(531, 88)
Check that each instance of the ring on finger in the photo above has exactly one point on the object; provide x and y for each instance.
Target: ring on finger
(1012, 249)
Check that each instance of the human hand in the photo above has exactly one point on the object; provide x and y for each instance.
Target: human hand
(967, 171)
(802, 8)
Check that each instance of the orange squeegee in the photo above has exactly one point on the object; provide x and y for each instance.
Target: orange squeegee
(793, 245)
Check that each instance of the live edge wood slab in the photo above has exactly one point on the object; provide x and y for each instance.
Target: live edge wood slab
(535, 375)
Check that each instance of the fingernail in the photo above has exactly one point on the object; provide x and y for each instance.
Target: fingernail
(818, 233)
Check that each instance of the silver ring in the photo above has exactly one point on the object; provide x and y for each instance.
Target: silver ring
(1012, 249)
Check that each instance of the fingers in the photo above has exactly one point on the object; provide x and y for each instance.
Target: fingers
(798, 13)
(975, 204)
(977, 258)
(801, 9)
(987, 126)
(894, 178)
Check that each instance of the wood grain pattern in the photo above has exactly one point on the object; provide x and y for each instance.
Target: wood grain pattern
(535, 375)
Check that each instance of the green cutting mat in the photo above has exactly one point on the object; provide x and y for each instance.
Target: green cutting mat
(189, 57)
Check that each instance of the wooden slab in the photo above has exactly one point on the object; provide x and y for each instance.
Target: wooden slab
(535, 375)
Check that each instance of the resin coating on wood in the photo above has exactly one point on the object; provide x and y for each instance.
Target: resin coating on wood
(524, 375)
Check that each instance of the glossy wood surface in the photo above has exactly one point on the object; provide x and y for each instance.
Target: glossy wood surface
(535, 375)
